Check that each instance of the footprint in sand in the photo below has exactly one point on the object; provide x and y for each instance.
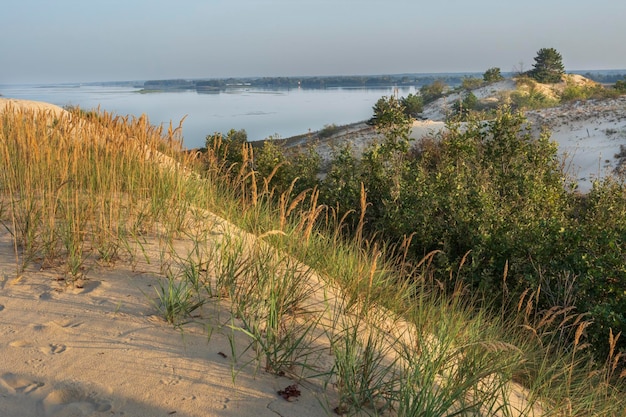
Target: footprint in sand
(15, 384)
(68, 324)
(21, 344)
(35, 363)
(39, 327)
(72, 399)
(171, 381)
(53, 349)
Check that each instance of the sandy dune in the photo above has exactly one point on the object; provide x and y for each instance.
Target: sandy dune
(589, 136)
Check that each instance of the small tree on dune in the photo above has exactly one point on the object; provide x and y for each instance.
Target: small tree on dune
(492, 75)
(548, 67)
(413, 105)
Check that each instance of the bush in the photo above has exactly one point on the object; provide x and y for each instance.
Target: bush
(328, 131)
(492, 75)
(574, 92)
(531, 99)
(462, 108)
(491, 197)
(620, 86)
(277, 171)
(229, 146)
(432, 92)
(413, 105)
(471, 83)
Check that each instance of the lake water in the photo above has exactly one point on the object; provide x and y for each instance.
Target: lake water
(261, 113)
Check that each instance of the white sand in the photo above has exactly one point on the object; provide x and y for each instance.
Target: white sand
(589, 136)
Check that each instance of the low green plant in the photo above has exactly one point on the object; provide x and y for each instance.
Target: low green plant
(492, 75)
(328, 130)
(433, 91)
(620, 86)
(533, 99)
(365, 368)
(273, 315)
(471, 83)
(176, 300)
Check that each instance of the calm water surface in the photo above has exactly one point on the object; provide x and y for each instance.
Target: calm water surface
(261, 113)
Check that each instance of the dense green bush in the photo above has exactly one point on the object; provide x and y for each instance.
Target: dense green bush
(494, 197)
(413, 105)
(620, 86)
(229, 146)
(471, 83)
(276, 171)
(485, 195)
(433, 91)
(492, 75)
(461, 109)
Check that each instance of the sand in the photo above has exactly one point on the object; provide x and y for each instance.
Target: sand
(589, 136)
(102, 350)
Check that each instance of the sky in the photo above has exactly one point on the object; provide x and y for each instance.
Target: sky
(45, 41)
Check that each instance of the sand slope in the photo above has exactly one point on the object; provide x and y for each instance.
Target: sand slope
(101, 351)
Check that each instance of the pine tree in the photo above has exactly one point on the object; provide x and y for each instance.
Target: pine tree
(548, 66)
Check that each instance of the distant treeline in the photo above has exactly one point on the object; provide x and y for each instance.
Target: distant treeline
(169, 84)
(348, 81)
(605, 78)
(353, 81)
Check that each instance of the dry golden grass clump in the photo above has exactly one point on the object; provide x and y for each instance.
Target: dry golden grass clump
(78, 188)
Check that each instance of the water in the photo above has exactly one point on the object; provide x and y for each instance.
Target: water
(262, 113)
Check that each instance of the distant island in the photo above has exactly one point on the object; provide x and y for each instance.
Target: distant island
(348, 81)
(312, 82)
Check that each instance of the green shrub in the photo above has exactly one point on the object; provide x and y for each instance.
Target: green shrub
(229, 146)
(489, 196)
(471, 83)
(461, 109)
(534, 99)
(328, 130)
(620, 86)
(413, 105)
(574, 92)
(432, 92)
(492, 75)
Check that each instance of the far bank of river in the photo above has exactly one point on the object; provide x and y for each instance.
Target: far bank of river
(262, 113)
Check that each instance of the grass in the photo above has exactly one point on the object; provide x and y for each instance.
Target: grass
(78, 190)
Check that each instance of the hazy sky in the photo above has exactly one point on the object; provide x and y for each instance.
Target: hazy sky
(87, 40)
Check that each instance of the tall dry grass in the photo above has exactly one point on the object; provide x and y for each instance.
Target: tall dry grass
(76, 188)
